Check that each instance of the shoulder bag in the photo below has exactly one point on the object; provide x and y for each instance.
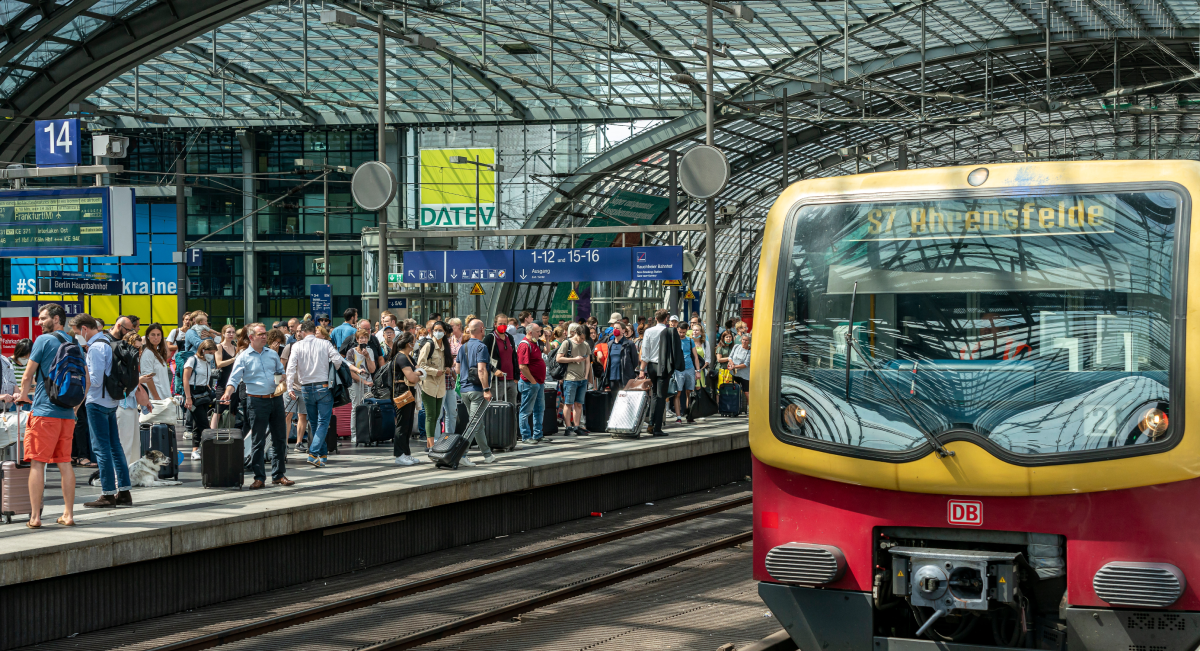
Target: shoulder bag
(405, 397)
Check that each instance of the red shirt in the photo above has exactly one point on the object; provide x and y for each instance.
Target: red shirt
(532, 357)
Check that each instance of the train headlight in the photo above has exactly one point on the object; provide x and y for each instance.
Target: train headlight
(794, 417)
(1154, 422)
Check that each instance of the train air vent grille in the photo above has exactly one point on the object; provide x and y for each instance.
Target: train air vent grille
(805, 564)
(1146, 585)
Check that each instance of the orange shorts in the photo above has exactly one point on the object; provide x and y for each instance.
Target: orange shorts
(48, 439)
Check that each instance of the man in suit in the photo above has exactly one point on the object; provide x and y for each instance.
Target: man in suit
(661, 354)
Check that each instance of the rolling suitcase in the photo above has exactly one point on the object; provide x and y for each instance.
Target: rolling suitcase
(14, 481)
(595, 411)
(449, 450)
(331, 436)
(342, 418)
(499, 422)
(375, 420)
(162, 438)
(550, 419)
(729, 399)
(221, 458)
(628, 414)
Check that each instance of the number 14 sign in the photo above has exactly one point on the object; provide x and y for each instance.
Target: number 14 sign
(57, 143)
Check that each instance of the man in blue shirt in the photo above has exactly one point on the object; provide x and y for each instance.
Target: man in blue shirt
(345, 330)
(259, 367)
(473, 369)
(198, 332)
(102, 412)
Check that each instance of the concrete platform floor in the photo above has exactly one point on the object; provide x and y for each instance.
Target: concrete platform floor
(359, 484)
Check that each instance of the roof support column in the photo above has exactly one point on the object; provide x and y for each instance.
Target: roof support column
(249, 228)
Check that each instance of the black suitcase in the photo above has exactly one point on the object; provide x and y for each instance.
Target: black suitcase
(730, 399)
(375, 421)
(595, 411)
(550, 419)
(702, 405)
(448, 451)
(162, 438)
(221, 458)
(331, 437)
(499, 421)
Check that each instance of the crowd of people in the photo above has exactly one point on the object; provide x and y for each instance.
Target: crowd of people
(276, 382)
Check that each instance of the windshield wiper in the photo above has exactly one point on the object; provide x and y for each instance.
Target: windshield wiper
(852, 345)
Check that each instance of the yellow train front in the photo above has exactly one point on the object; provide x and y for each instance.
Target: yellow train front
(968, 413)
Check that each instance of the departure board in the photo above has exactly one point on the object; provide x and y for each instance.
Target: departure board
(69, 222)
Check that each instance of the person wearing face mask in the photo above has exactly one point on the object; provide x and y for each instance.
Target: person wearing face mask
(20, 361)
(503, 351)
(434, 362)
(622, 366)
(199, 373)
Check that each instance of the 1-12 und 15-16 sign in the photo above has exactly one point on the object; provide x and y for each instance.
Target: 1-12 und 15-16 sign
(67, 223)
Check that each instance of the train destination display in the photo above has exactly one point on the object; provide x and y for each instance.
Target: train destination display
(94, 221)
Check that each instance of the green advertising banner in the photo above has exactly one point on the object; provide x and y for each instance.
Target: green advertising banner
(624, 209)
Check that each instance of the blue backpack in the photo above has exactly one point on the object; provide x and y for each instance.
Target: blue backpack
(65, 383)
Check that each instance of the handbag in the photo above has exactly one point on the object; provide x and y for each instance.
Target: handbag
(636, 384)
(406, 397)
(162, 412)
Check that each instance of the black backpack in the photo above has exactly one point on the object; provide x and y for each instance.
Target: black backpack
(122, 379)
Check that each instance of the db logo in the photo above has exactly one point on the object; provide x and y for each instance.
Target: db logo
(964, 512)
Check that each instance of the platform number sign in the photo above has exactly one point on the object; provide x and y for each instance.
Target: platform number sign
(57, 142)
(965, 512)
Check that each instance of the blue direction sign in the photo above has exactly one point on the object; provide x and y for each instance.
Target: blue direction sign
(458, 266)
(571, 265)
(322, 300)
(56, 143)
(397, 303)
(479, 266)
(657, 263)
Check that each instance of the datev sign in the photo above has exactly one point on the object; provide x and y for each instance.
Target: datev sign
(448, 189)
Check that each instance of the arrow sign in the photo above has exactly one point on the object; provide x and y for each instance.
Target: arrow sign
(572, 265)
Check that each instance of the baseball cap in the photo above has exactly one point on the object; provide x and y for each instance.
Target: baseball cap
(616, 316)
(672, 318)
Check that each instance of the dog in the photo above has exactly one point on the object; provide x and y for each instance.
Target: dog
(144, 471)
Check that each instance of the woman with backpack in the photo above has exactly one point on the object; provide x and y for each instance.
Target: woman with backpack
(434, 361)
(199, 373)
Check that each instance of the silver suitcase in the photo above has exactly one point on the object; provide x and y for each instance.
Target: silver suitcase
(628, 413)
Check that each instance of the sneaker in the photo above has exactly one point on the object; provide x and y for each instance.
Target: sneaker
(678, 421)
(405, 460)
(195, 455)
(490, 459)
(301, 448)
(579, 431)
(535, 441)
(314, 461)
(670, 414)
(321, 462)
(467, 462)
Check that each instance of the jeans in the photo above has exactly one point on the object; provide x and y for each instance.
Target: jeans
(432, 406)
(318, 400)
(263, 413)
(475, 403)
(106, 445)
(450, 411)
(574, 391)
(533, 403)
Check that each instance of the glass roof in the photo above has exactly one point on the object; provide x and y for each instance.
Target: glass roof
(999, 80)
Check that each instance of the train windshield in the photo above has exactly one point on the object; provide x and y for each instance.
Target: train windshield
(1040, 323)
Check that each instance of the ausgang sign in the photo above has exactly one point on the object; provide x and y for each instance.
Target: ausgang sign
(448, 189)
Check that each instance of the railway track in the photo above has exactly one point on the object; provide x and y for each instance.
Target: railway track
(505, 611)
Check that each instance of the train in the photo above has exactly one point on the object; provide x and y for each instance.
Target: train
(968, 409)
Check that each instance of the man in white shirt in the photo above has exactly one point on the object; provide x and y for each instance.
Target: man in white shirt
(386, 320)
(652, 365)
(308, 379)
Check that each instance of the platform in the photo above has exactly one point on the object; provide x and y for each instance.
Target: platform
(360, 485)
